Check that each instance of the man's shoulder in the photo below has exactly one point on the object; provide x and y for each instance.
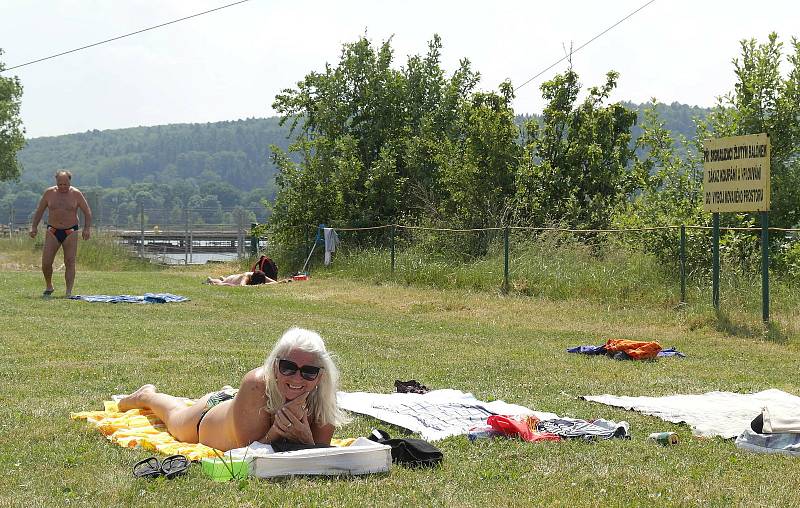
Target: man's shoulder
(75, 191)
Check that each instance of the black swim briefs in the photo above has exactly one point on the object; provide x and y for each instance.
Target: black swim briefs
(62, 234)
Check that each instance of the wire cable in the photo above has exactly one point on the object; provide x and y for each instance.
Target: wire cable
(572, 52)
(123, 36)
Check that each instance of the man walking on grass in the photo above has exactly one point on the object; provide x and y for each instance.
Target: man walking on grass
(62, 203)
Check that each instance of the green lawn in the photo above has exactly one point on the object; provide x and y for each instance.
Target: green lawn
(62, 356)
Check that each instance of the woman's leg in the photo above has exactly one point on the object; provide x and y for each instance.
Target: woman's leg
(180, 419)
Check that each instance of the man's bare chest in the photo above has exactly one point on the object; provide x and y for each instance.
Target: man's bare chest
(62, 202)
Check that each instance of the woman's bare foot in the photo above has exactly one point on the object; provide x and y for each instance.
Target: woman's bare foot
(134, 400)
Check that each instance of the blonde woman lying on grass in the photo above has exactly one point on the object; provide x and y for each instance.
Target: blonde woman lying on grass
(241, 279)
(291, 398)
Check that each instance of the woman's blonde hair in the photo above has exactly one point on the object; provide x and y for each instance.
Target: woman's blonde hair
(321, 402)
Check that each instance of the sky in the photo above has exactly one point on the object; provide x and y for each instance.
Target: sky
(231, 63)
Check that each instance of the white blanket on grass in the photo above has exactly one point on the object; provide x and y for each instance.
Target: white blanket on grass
(435, 415)
(723, 414)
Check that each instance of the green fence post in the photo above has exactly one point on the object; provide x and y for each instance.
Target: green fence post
(683, 263)
(141, 225)
(765, 266)
(715, 261)
(505, 260)
(253, 240)
(392, 246)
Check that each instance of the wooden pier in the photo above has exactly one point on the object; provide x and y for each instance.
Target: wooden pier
(196, 241)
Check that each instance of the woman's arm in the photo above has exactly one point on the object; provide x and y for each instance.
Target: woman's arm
(322, 433)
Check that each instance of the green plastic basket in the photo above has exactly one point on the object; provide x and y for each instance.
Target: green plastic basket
(220, 469)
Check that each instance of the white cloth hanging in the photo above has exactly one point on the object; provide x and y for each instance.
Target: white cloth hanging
(331, 241)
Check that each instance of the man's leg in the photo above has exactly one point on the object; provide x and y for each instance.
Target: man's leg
(180, 419)
(51, 246)
(70, 246)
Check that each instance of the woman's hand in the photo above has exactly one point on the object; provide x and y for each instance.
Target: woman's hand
(297, 406)
(291, 423)
(292, 426)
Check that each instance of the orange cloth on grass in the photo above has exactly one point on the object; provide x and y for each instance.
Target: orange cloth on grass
(637, 350)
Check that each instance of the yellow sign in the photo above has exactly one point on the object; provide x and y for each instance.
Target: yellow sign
(736, 174)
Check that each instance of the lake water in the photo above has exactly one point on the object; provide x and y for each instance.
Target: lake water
(194, 259)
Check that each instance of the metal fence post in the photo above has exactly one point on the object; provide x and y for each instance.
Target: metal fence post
(141, 229)
(392, 246)
(715, 261)
(191, 236)
(253, 239)
(505, 260)
(765, 266)
(239, 235)
(307, 245)
(186, 238)
(683, 263)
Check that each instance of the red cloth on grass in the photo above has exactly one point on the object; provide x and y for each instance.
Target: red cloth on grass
(511, 427)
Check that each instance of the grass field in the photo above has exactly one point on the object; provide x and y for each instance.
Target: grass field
(62, 356)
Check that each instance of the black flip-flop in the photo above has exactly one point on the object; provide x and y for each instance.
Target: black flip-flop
(170, 467)
(174, 465)
(147, 468)
(47, 292)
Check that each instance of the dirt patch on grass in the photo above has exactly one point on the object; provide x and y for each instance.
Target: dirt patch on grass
(9, 264)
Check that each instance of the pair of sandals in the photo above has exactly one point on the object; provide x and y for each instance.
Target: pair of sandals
(170, 467)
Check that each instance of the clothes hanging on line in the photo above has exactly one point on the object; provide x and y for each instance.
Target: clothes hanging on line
(331, 241)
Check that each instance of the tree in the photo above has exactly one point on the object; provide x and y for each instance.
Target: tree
(669, 184)
(477, 167)
(370, 139)
(12, 133)
(575, 167)
(763, 100)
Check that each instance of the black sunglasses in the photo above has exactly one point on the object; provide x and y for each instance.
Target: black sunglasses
(307, 372)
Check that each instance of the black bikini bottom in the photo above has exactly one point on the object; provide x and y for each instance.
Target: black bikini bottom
(215, 399)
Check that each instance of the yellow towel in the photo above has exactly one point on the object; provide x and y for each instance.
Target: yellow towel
(139, 427)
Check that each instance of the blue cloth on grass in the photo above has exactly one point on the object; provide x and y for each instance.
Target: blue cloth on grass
(671, 352)
(588, 350)
(146, 298)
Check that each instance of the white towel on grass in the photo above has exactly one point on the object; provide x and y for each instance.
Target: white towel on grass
(435, 415)
(723, 414)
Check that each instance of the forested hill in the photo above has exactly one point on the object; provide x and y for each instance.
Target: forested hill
(679, 118)
(235, 152)
(212, 166)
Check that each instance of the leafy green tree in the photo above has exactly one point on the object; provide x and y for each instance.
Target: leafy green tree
(764, 100)
(477, 167)
(12, 133)
(205, 209)
(669, 186)
(575, 169)
(369, 139)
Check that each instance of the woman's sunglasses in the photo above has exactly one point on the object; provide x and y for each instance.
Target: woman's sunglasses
(307, 372)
